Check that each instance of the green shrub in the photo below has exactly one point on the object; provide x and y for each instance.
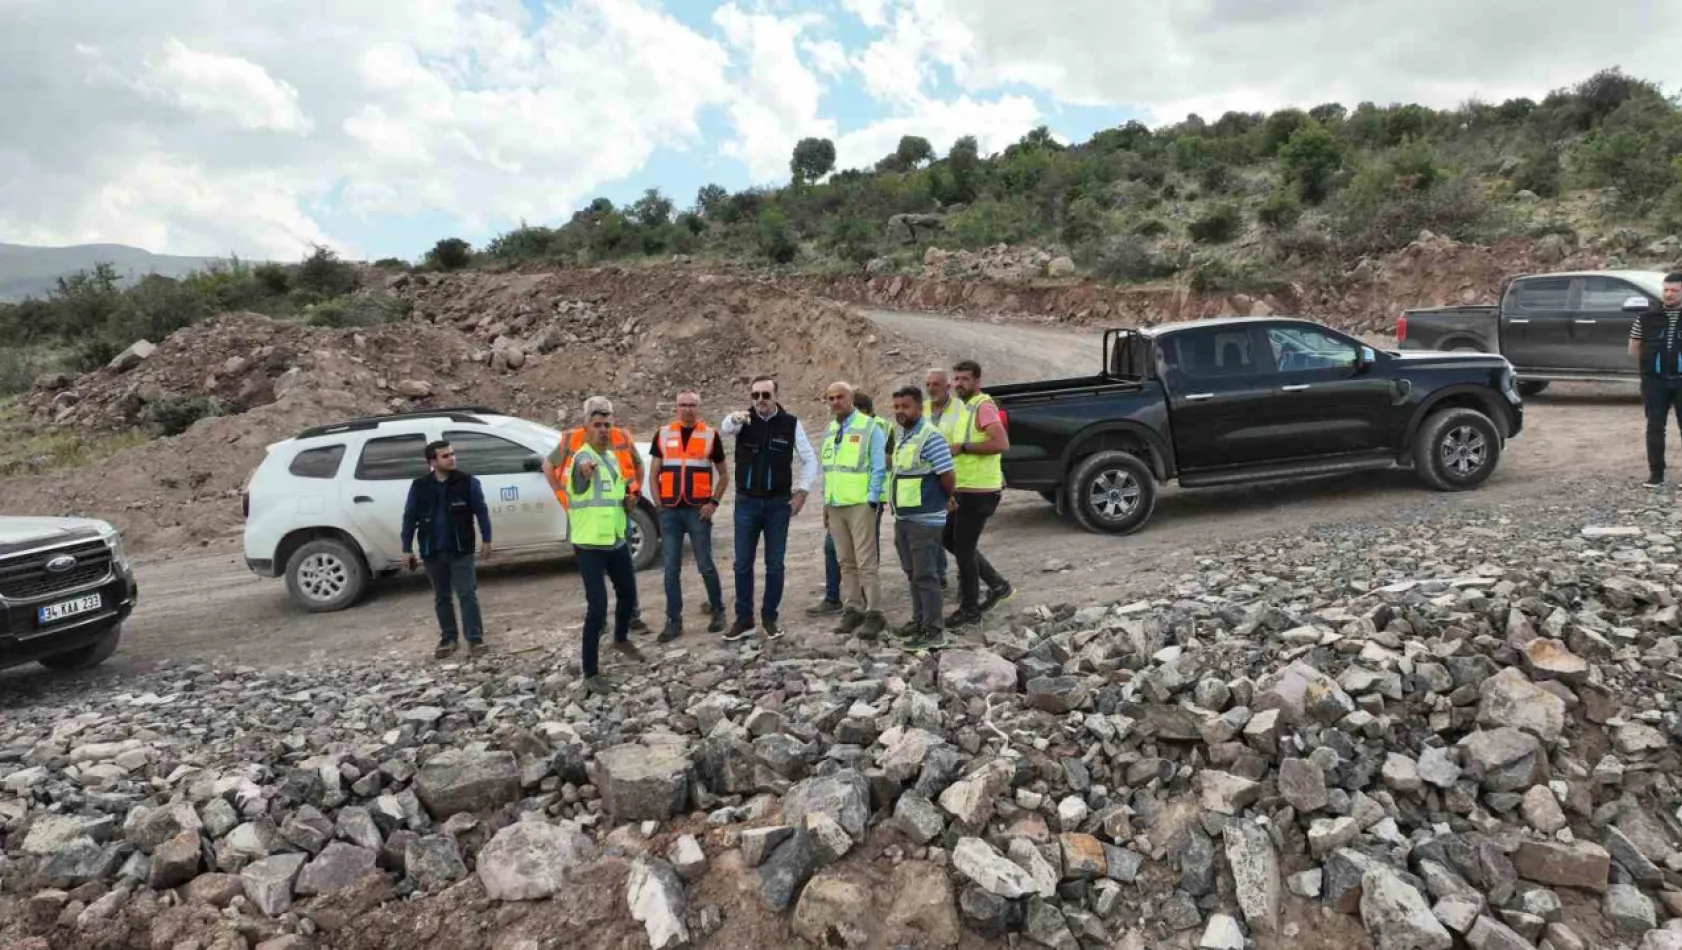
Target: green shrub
(1217, 224)
(1538, 173)
(357, 310)
(450, 254)
(1129, 257)
(1280, 211)
(1311, 160)
(1150, 227)
(773, 237)
(18, 368)
(174, 414)
(323, 273)
(1215, 178)
(274, 278)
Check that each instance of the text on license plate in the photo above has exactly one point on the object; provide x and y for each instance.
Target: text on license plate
(69, 608)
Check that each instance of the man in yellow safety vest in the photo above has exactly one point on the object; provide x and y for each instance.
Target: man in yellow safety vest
(831, 603)
(854, 470)
(597, 498)
(980, 441)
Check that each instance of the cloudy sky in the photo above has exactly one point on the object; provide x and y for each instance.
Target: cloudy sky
(378, 126)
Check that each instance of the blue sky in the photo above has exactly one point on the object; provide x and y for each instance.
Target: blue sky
(380, 126)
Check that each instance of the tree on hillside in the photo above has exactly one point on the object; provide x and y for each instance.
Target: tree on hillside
(1311, 159)
(710, 198)
(1278, 128)
(322, 273)
(812, 159)
(913, 150)
(652, 210)
(450, 254)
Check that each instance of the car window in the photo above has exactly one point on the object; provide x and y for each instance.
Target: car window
(1542, 293)
(393, 457)
(1297, 349)
(320, 462)
(1213, 353)
(1606, 295)
(481, 454)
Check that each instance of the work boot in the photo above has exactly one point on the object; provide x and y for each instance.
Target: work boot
(850, 621)
(773, 630)
(477, 649)
(743, 627)
(674, 629)
(874, 624)
(931, 638)
(996, 596)
(715, 623)
(824, 608)
(445, 650)
(629, 651)
(962, 617)
(598, 685)
(638, 627)
(906, 631)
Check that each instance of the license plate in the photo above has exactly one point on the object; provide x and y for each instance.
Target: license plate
(70, 608)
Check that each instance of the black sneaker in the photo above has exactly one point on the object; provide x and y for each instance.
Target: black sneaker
(478, 649)
(444, 650)
(874, 624)
(598, 685)
(638, 627)
(926, 640)
(824, 608)
(1654, 481)
(773, 630)
(906, 631)
(672, 632)
(741, 629)
(996, 596)
(962, 617)
(629, 651)
(850, 621)
(715, 624)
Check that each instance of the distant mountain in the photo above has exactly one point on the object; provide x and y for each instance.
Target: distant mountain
(34, 271)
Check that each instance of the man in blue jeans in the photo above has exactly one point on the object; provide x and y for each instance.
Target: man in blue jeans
(689, 480)
(441, 511)
(767, 440)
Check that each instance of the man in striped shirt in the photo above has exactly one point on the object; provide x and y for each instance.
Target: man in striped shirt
(1656, 345)
(922, 491)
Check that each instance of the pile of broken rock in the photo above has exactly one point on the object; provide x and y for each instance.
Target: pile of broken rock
(1417, 736)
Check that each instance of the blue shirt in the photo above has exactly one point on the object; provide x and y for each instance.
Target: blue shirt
(937, 453)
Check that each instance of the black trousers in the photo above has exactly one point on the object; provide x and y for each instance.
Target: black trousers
(1661, 397)
(963, 538)
(597, 567)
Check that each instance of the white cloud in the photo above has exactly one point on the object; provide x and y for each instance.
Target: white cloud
(776, 100)
(869, 11)
(827, 56)
(213, 84)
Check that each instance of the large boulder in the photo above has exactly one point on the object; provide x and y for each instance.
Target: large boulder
(844, 796)
(967, 673)
(138, 352)
(833, 911)
(656, 898)
(459, 781)
(914, 228)
(530, 860)
(1510, 699)
(645, 782)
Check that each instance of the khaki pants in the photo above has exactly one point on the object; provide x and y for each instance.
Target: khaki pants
(858, 549)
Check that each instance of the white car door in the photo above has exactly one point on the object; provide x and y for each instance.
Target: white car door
(524, 512)
(377, 489)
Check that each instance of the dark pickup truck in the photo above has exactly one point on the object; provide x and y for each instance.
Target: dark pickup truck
(1223, 402)
(1570, 326)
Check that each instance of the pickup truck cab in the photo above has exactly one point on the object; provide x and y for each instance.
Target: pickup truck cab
(1229, 401)
(1569, 326)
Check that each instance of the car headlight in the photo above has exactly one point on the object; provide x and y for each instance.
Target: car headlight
(114, 540)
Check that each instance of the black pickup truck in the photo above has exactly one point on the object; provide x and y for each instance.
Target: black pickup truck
(1222, 402)
(1569, 326)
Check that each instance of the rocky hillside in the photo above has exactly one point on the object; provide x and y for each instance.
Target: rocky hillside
(1421, 736)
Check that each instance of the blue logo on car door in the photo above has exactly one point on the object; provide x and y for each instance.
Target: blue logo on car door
(510, 493)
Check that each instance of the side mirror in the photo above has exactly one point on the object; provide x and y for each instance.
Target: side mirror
(1367, 357)
(1636, 304)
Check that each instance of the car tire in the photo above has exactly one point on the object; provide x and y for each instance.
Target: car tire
(1532, 387)
(1112, 492)
(642, 532)
(326, 574)
(1456, 450)
(86, 657)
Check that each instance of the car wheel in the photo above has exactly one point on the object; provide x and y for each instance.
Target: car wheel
(642, 533)
(86, 657)
(326, 575)
(1532, 387)
(1456, 450)
(1112, 492)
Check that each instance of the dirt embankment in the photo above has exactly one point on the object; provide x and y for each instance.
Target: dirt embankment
(1432, 271)
(531, 344)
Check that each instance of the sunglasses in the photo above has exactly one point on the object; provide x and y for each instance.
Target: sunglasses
(764, 396)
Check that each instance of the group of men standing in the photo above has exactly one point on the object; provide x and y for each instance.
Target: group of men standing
(937, 470)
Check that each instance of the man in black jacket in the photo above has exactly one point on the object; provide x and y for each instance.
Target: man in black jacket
(1655, 340)
(441, 512)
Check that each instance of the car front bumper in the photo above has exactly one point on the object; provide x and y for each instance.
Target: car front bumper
(23, 638)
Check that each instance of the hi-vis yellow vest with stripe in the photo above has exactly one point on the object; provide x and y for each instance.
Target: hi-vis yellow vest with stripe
(916, 486)
(846, 461)
(981, 472)
(596, 515)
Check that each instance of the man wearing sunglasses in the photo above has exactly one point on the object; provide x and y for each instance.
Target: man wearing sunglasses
(767, 439)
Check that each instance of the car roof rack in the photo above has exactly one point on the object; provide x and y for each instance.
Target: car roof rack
(469, 414)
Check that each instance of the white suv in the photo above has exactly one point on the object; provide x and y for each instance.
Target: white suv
(325, 509)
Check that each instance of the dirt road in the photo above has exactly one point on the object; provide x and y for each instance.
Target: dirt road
(1581, 445)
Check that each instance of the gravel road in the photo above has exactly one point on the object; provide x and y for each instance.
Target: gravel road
(1581, 444)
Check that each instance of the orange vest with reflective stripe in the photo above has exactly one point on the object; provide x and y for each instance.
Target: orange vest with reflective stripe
(686, 469)
(573, 439)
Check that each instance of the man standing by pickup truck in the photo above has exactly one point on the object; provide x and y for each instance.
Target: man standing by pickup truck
(1655, 341)
(976, 452)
